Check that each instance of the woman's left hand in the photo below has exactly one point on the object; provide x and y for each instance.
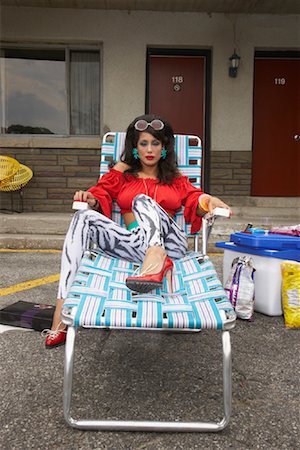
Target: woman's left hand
(215, 202)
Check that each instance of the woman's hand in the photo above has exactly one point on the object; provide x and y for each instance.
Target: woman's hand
(215, 202)
(85, 196)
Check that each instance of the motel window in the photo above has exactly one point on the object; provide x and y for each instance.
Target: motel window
(50, 91)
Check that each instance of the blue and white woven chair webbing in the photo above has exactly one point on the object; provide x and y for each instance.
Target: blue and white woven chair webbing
(101, 297)
(149, 311)
(111, 151)
(179, 312)
(89, 311)
(200, 291)
(119, 314)
(101, 260)
(119, 306)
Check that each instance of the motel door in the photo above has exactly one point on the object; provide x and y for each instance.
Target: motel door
(176, 91)
(276, 128)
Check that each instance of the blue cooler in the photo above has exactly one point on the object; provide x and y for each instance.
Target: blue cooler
(267, 251)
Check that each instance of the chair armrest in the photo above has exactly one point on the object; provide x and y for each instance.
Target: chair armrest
(207, 225)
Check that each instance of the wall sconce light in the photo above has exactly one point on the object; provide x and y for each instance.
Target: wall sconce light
(234, 64)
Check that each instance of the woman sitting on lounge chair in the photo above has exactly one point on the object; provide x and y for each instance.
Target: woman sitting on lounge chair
(149, 189)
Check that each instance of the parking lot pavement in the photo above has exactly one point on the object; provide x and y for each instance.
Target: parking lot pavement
(144, 375)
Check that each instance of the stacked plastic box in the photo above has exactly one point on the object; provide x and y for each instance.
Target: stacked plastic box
(267, 252)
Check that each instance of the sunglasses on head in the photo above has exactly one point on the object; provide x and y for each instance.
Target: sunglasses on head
(142, 125)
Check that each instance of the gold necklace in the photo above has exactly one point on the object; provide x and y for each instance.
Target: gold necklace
(147, 190)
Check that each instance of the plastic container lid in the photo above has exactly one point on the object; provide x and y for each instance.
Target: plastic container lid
(267, 241)
(291, 255)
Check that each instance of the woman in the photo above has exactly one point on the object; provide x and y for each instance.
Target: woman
(149, 189)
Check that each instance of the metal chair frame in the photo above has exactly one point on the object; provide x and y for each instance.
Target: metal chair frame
(68, 317)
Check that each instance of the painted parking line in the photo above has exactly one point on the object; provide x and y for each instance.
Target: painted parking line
(31, 283)
(28, 250)
(28, 285)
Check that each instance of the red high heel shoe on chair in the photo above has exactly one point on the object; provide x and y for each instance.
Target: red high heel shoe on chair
(144, 283)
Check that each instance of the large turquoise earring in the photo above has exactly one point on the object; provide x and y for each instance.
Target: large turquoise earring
(163, 153)
(135, 153)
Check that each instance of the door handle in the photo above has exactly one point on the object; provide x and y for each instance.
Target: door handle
(297, 137)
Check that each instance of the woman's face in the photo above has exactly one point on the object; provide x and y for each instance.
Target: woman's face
(149, 149)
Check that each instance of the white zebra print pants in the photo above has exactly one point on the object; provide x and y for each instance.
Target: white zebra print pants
(154, 227)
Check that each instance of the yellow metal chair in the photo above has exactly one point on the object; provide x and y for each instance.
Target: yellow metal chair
(13, 177)
(8, 168)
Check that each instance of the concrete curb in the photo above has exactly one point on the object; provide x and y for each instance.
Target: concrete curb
(47, 230)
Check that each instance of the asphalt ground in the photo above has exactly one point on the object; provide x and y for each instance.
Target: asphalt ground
(143, 376)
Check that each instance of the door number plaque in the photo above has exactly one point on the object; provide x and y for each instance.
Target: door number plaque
(280, 81)
(177, 81)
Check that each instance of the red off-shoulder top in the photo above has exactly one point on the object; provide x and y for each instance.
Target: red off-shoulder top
(116, 185)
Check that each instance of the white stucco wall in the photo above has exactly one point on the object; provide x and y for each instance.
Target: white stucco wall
(125, 36)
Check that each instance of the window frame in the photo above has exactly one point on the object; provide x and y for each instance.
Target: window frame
(67, 47)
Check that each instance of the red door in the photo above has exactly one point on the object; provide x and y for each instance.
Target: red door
(176, 91)
(276, 128)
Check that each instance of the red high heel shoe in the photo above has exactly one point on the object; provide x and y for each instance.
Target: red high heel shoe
(54, 338)
(144, 283)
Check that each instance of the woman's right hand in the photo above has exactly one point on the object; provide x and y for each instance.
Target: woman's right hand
(85, 196)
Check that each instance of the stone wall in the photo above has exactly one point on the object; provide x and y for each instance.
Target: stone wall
(230, 173)
(57, 173)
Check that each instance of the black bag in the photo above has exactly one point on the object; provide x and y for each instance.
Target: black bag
(27, 315)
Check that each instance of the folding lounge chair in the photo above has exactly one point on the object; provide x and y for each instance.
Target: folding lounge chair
(99, 298)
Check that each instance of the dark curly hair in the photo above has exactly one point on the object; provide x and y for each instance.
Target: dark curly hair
(167, 168)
